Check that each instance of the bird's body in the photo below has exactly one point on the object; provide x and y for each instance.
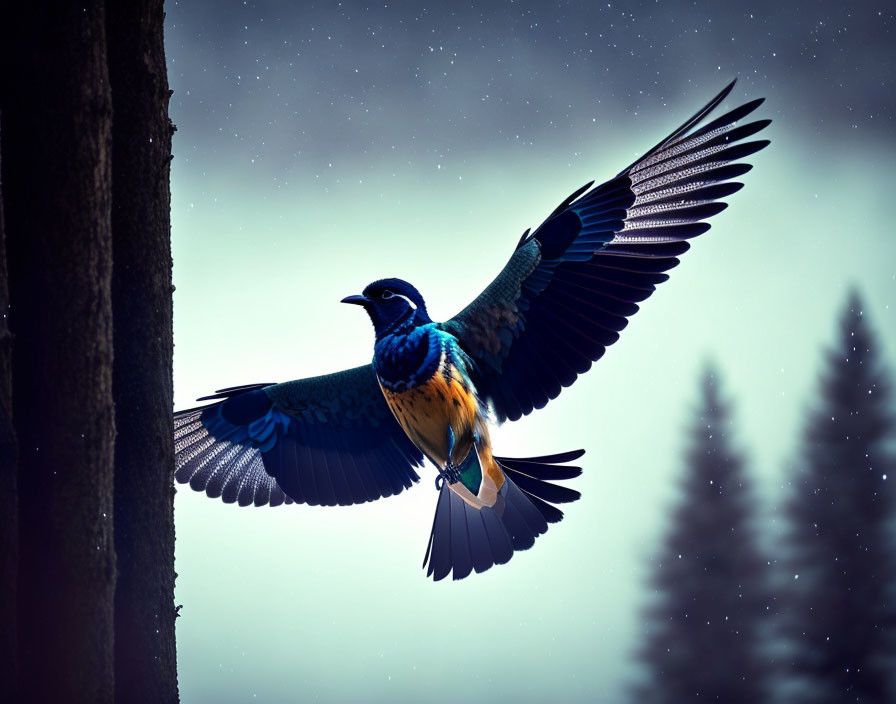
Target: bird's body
(425, 378)
(432, 388)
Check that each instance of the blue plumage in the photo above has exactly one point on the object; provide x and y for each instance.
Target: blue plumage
(564, 296)
(326, 440)
(249, 419)
(406, 359)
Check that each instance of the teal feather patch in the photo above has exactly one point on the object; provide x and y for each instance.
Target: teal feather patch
(471, 471)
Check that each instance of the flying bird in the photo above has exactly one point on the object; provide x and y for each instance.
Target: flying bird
(433, 388)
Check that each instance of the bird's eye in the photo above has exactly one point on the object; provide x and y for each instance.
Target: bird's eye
(386, 295)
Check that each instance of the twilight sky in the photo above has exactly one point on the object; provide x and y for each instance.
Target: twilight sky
(320, 147)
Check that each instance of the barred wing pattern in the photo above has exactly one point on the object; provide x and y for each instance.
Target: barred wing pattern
(570, 286)
(328, 440)
(215, 465)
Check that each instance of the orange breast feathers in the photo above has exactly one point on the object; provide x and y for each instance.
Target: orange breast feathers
(426, 411)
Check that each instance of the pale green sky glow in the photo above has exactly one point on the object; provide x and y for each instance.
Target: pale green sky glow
(330, 604)
(321, 147)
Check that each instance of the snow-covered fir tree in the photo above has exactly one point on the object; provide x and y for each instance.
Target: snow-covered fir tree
(840, 598)
(705, 623)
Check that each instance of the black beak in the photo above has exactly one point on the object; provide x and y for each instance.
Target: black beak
(357, 300)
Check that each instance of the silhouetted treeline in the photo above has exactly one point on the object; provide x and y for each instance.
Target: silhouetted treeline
(712, 631)
(86, 450)
(709, 602)
(840, 600)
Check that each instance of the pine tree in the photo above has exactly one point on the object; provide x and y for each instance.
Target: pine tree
(704, 627)
(841, 608)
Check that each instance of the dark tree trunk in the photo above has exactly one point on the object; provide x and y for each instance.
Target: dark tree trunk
(145, 657)
(9, 511)
(82, 637)
(57, 138)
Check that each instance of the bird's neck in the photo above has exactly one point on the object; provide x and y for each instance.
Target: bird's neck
(404, 324)
(407, 356)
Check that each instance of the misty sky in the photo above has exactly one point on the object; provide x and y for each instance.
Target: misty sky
(322, 147)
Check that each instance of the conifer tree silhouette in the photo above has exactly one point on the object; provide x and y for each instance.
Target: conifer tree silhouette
(840, 601)
(704, 626)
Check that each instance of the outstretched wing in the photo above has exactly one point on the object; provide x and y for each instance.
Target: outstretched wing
(326, 440)
(570, 286)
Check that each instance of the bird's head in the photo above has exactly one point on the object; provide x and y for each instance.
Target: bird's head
(390, 302)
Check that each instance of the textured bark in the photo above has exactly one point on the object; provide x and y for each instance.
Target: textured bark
(145, 656)
(57, 195)
(9, 512)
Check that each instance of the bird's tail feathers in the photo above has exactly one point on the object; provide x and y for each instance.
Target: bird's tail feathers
(531, 475)
(465, 538)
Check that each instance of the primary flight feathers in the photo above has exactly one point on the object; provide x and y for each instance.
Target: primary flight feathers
(561, 300)
(567, 291)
